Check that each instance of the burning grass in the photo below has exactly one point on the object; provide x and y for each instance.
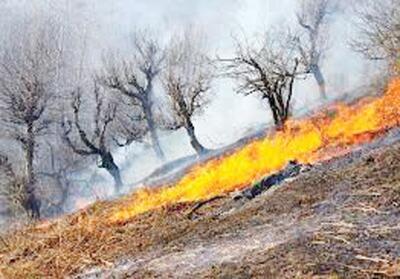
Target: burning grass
(155, 221)
(327, 134)
(356, 190)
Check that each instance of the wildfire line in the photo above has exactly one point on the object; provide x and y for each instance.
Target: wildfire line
(329, 133)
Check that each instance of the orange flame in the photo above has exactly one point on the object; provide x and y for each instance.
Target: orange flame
(324, 135)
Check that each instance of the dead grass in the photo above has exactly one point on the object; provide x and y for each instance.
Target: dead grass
(71, 245)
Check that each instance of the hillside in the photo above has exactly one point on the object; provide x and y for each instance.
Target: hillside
(340, 219)
(200, 139)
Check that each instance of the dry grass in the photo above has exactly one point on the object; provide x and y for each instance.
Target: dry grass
(350, 243)
(73, 244)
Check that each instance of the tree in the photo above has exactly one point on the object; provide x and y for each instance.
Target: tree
(29, 74)
(268, 68)
(98, 143)
(378, 25)
(313, 18)
(134, 79)
(186, 81)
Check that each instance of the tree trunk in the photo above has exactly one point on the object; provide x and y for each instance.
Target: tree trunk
(200, 149)
(280, 120)
(153, 133)
(112, 168)
(319, 78)
(32, 204)
(278, 115)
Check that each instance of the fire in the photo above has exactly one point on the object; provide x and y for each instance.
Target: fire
(326, 134)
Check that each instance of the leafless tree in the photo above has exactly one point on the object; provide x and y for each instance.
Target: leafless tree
(97, 144)
(29, 72)
(187, 80)
(379, 31)
(268, 67)
(134, 78)
(313, 17)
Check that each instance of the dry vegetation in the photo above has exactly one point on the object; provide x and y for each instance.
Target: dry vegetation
(348, 227)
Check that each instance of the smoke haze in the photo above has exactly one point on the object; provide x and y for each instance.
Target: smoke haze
(104, 25)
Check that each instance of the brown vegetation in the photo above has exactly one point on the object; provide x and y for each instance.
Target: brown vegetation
(340, 219)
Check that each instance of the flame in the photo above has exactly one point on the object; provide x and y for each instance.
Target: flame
(324, 135)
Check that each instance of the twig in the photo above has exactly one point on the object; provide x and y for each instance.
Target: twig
(375, 260)
(339, 224)
(202, 203)
(4, 242)
(365, 209)
(365, 271)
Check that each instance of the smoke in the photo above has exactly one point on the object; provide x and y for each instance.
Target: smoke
(112, 23)
(104, 25)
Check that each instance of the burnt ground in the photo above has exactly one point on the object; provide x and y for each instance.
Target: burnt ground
(340, 220)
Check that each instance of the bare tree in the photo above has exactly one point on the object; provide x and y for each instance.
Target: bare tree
(29, 72)
(268, 68)
(186, 81)
(98, 143)
(313, 17)
(379, 31)
(134, 78)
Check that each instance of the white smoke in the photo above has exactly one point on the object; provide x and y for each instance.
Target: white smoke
(108, 24)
